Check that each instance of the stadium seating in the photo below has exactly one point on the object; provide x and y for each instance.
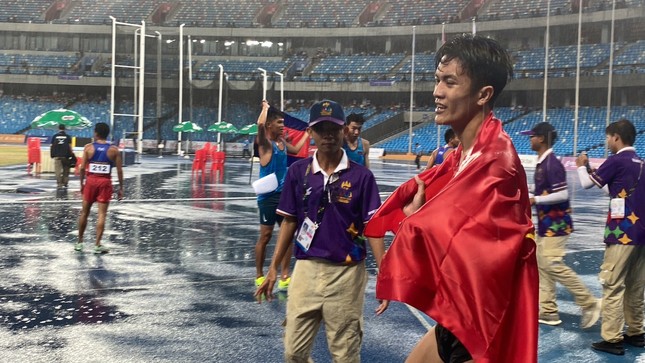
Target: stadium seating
(24, 11)
(98, 12)
(305, 13)
(218, 13)
(407, 12)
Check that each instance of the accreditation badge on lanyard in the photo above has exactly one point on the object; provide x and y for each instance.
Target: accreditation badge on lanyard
(617, 208)
(306, 234)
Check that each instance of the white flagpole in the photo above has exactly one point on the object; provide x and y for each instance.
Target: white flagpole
(220, 106)
(546, 60)
(181, 83)
(611, 70)
(414, 31)
(474, 26)
(575, 115)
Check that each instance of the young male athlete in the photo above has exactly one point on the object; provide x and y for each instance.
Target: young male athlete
(440, 154)
(356, 147)
(472, 270)
(99, 158)
(272, 148)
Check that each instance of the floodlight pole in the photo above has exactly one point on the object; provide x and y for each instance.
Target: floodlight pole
(264, 83)
(281, 90)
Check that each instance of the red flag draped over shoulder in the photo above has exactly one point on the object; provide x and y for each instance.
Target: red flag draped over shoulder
(467, 256)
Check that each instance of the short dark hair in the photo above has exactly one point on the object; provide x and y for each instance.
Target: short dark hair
(448, 135)
(483, 59)
(61, 127)
(102, 130)
(274, 114)
(355, 117)
(624, 129)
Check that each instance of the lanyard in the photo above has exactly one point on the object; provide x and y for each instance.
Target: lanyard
(325, 200)
(631, 190)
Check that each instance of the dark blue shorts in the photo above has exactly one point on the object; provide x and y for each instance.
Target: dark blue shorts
(267, 207)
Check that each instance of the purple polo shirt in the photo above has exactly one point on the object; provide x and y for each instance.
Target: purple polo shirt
(621, 173)
(550, 177)
(353, 198)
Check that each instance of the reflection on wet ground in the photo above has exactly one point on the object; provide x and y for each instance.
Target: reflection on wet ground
(177, 285)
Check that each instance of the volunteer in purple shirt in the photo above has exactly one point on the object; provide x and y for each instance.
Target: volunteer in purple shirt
(622, 271)
(551, 202)
(325, 202)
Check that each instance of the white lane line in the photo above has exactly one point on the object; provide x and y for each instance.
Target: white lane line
(420, 317)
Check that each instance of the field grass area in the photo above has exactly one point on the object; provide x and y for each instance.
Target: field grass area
(13, 155)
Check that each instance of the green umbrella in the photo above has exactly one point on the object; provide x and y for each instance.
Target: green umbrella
(187, 126)
(223, 127)
(249, 129)
(51, 120)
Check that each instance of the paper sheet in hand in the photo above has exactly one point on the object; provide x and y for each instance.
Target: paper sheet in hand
(266, 184)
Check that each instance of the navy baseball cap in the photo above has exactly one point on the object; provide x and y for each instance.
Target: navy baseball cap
(542, 129)
(326, 110)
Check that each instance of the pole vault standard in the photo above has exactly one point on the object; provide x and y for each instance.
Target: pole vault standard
(138, 69)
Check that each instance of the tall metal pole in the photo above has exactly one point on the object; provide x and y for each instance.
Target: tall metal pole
(577, 105)
(113, 71)
(181, 83)
(546, 59)
(264, 83)
(159, 45)
(190, 88)
(414, 32)
(220, 106)
(142, 62)
(611, 71)
(281, 90)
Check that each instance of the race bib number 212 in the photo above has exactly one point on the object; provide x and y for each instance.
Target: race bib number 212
(99, 168)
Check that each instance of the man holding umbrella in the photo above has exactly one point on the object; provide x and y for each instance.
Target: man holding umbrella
(61, 151)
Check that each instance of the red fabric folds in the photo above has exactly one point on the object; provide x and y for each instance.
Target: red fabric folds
(467, 256)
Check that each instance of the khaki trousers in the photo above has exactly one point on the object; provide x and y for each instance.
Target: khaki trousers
(551, 268)
(329, 293)
(61, 169)
(622, 275)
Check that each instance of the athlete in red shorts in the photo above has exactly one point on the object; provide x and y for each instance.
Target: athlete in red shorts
(99, 158)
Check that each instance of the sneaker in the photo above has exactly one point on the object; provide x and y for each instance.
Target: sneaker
(100, 249)
(283, 285)
(590, 315)
(259, 281)
(635, 340)
(549, 319)
(78, 246)
(607, 347)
